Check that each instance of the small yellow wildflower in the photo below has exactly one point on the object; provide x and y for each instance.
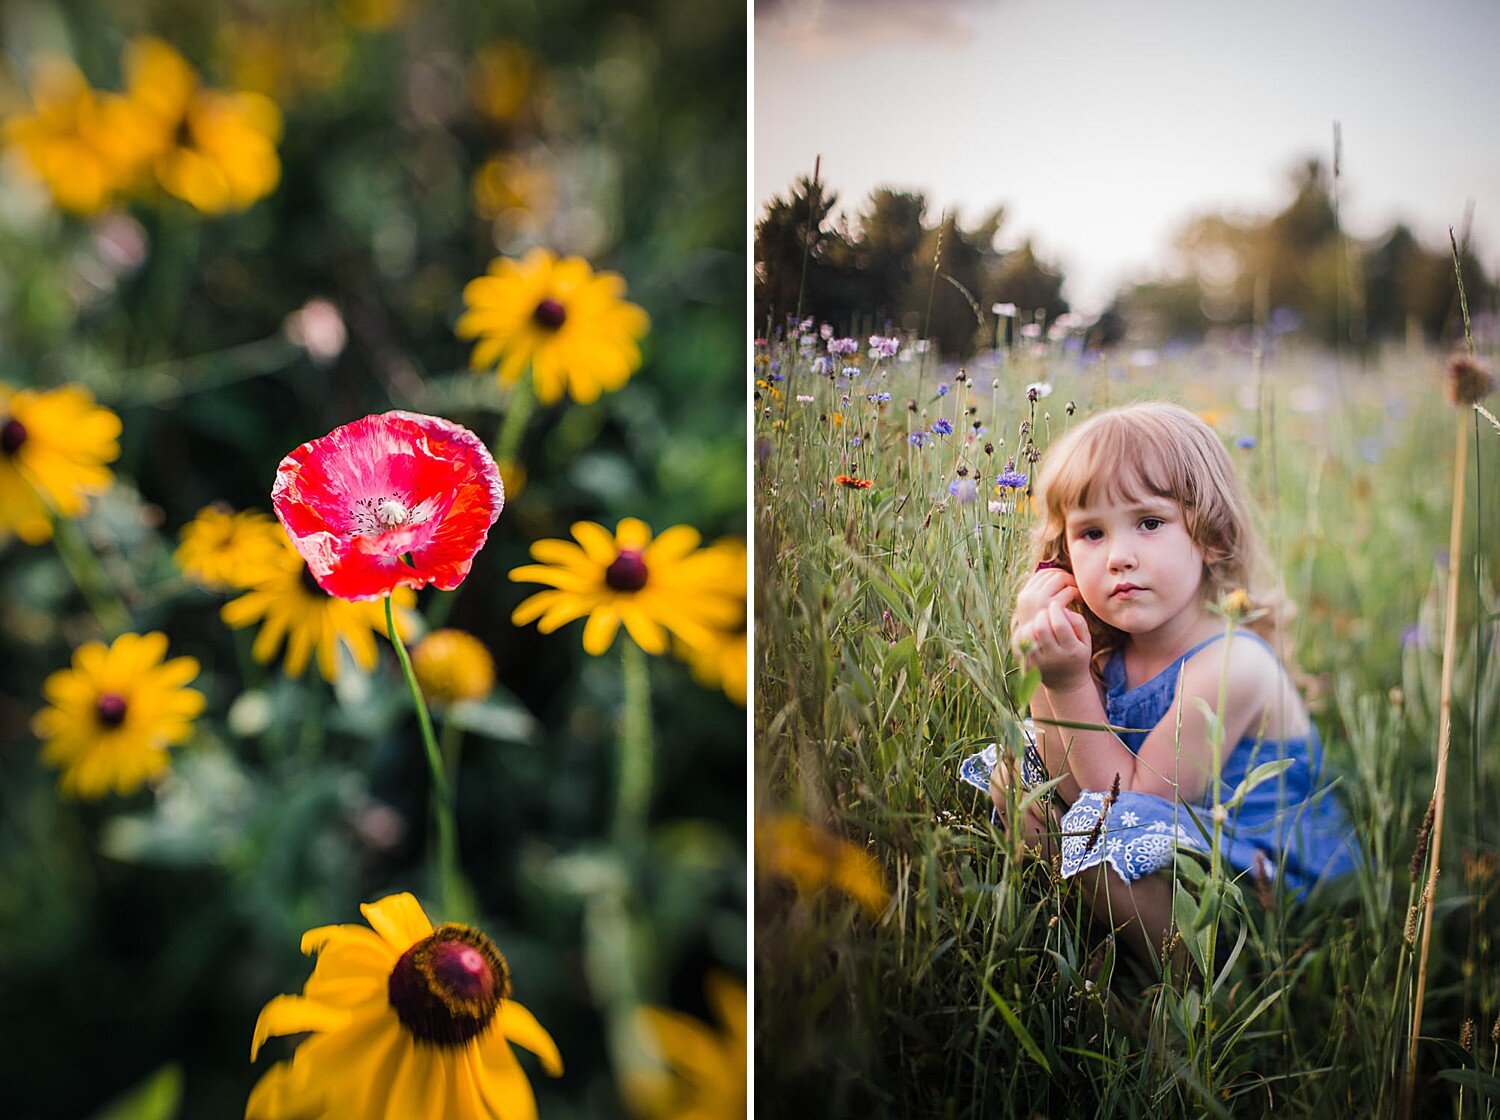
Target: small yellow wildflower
(788, 846)
(453, 666)
(53, 447)
(652, 586)
(82, 145)
(723, 661)
(503, 80)
(513, 184)
(292, 608)
(216, 151)
(407, 1022)
(570, 326)
(703, 1075)
(221, 549)
(113, 715)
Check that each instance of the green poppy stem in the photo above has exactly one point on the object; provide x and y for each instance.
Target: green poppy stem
(633, 792)
(519, 408)
(451, 892)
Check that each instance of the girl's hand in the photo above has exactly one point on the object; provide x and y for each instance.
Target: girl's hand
(1039, 591)
(1056, 641)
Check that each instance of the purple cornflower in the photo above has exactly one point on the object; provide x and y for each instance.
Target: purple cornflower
(943, 389)
(942, 426)
(1011, 479)
(849, 371)
(883, 347)
(844, 346)
(822, 364)
(964, 489)
(917, 439)
(880, 398)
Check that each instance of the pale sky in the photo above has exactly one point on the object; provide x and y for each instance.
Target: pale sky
(1102, 124)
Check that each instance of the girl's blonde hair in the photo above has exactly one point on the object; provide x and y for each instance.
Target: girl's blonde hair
(1162, 450)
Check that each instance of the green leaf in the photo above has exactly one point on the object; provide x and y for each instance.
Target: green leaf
(902, 655)
(1031, 680)
(1022, 1034)
(1264, 772)
(157, 1098)
(1486, 1084)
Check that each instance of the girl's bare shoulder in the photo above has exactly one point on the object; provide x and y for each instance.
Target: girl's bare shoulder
(1258, 692)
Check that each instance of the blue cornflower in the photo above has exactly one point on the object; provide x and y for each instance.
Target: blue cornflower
(1245, 442)
(942, 426)
(1011, 480)
(880, 398)
(849, 371)
(917, 439)
(943, 389)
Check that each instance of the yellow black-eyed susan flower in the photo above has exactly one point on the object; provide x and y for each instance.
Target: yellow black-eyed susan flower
(82, 145)
(722, 662)
(408, 1022)
(53, 447)
(794, 849)
(220, 548)
(453, 666)
(654, 587)
(112, 716)
(702, 1076)
(292, 609)
(214, 150)
(571, 326)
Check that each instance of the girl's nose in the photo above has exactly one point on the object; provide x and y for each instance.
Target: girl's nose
(1121, 558)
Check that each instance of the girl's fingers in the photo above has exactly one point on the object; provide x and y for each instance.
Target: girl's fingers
(1080, 627)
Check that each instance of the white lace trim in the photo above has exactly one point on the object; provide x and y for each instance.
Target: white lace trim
(1134, 850)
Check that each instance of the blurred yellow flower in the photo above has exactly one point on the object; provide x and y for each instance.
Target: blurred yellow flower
(513, 475)
(502, 80)
(53, 447)
(83, 145)
(703, 1074)
(452, 666)
(511, 183)
(652, 586)
(788, 846)
(115, 712)
(722, 661)
(408, 1022)
(292, 608)
(223, 549)
(300, 53)
(214, 150)
(373, 15)
(571, 326)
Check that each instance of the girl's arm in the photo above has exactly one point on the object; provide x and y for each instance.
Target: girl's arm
(1174, 763)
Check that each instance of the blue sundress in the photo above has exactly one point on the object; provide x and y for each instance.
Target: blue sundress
(1289, 826)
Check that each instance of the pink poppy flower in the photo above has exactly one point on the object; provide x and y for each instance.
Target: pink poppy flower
(390, 500)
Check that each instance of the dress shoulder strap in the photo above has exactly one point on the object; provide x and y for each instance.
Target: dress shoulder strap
(1238, 634)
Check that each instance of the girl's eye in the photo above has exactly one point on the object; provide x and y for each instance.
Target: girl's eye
(1150, 524)
(1091, 534)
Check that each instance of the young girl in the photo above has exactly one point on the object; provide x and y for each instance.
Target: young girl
(1145, 526)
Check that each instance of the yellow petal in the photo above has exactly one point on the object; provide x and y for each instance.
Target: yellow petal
(520, 1026)
(293, 1015)
(399, 919)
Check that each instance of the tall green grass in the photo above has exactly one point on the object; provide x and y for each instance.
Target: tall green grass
(882, 660)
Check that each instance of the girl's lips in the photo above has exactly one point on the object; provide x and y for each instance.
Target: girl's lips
(1125, 591)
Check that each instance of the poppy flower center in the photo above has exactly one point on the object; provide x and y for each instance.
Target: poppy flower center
(12, 435)
(628, 572)
(549, 314)
(110, 709)
(446, 988)
(373, 516)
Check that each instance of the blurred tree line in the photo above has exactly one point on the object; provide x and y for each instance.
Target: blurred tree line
(886, 268)
(1297, 268)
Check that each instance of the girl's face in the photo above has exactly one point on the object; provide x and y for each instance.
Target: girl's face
(1136, 566)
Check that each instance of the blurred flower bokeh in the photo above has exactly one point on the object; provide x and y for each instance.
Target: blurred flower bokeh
(230, 230)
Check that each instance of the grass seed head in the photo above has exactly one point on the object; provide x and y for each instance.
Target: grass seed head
(1468, 382)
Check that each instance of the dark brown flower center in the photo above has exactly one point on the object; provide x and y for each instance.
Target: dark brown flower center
(12, 435)
(628, 572)
(110, 709)
(550, 314)
(310, 585)
(446, 988)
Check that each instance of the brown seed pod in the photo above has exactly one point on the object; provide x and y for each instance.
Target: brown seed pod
(1468, 382)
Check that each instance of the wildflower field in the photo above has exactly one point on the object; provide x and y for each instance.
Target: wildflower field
(911, 959)
(372, 561)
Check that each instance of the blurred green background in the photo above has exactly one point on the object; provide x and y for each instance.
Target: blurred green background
(147, 932)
